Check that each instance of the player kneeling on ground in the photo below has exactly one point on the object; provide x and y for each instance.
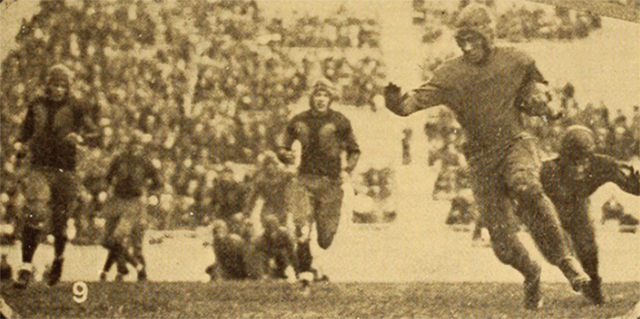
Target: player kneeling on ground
(126, 212)
(275, 249)
(231, 252)
(569, 180)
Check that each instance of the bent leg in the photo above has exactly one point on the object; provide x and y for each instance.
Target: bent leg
(522, 175)
(521, 172)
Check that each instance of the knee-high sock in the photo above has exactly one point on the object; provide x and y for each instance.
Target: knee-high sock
(30, 238)
(59, 245)
(111, 259)
(303, 255)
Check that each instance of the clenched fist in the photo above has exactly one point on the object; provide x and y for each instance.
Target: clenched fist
(392, 96)
(286, 157)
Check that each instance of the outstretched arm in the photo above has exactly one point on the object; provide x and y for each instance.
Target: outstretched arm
(628, 179)
(621, 174)
(428, 95)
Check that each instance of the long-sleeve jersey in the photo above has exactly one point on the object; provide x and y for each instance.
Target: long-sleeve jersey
(129, 173)
(603, 169)
(487, 99)
(47, 125)
(228, 199)
(323, 138)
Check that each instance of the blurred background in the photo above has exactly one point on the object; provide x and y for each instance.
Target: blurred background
(213, 82)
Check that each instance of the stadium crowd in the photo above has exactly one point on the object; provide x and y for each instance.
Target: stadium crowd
(200, 84)
(207, 96)
(515, 24)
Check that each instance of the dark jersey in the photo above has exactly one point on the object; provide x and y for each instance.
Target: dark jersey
(602, 169)
(129, 173)
(323, 138)
(228, 199)
(272, 190)
(47, 125)
(486, 98)
(230, 255)
(281, 245)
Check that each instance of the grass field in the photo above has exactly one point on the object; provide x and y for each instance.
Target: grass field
(344, 300)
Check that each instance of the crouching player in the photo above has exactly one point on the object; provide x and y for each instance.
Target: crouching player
(275, 249)
(231, 252)
(569, 180)
(126, 212)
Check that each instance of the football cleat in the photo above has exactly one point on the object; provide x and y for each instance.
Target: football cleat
(24, 278)
(306, 279)
(55, 272)
(594, 292)
(575, 274)
(142, 275)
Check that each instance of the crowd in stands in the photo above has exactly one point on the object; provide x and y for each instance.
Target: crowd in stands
(203, 83)
(515, 24)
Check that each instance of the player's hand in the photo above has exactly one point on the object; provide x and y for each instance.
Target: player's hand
(21, 150)
(633, 177)
(74, 139)
(287, 157)
(392, 96)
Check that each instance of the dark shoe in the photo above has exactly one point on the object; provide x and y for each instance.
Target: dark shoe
(142, 275)
(533, 296)
(211, 271)
(120, 277)
(306, 279)
(24, 278)
(103, 276)
(56, 271)
(594, 292)
(575, 274)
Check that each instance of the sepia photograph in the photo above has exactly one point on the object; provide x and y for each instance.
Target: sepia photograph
(320, 159)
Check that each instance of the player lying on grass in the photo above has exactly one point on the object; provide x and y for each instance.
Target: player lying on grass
(489, 88)
(126, 213)
(232, 252)
(240, 255)
(569, 180)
